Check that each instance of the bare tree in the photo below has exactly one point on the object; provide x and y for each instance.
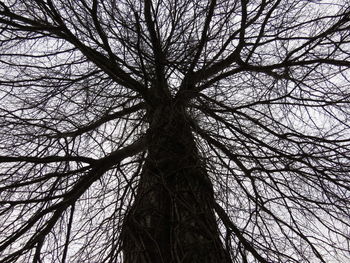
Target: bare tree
(174, 131)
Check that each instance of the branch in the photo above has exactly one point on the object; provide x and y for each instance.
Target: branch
(100, 167)
(99, 122)
(230, 225)
(109, 66)
(48, 159)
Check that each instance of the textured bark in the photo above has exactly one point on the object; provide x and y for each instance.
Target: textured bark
(172, 218)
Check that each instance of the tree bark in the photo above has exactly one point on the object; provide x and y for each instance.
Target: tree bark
(172, 218)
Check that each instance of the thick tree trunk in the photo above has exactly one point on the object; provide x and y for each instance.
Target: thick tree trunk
(172, 218)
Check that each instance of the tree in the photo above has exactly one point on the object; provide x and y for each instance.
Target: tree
(174, 131)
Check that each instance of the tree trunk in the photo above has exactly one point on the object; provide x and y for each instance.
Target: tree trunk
(172, 218)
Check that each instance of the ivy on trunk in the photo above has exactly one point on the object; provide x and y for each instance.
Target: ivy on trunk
(172, 218)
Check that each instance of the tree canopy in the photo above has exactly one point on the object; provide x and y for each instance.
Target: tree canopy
(263, 85)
